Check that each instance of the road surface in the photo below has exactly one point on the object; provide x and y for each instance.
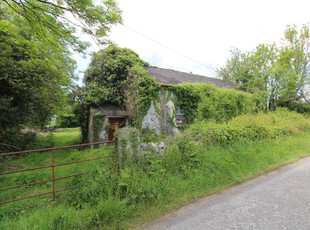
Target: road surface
(277, 200)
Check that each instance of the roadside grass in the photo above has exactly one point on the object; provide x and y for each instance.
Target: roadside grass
(203, 160)
(221, 168)
(160, 189)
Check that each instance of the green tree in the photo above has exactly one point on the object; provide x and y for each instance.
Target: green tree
(236, 68)
(277, 75)
(117, 75)
(254, 72)
(108, 74)
(294, 63)
(35, 64)
(56, 21)
(33, 77)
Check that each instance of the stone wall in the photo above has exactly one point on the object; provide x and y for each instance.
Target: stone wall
(99, 121)
(161, 115)
(97, 126)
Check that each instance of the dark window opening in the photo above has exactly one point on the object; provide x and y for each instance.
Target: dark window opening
(180, 116)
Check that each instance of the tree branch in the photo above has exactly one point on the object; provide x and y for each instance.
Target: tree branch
(11, 146)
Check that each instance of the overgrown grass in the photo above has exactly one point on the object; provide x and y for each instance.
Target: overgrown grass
(152, 185)
(253, 127)
(31, 160)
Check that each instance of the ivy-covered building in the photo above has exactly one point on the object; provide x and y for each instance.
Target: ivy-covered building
(164, 115)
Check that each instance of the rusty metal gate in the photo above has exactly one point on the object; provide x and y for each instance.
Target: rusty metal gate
(53, 172)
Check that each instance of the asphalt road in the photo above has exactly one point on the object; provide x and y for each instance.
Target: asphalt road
(277, 200)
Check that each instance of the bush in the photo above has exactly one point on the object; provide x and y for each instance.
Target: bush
(149, 135)
(206, 102)
(108, 199)
(12, 140)
(250, 128)
(67, 121)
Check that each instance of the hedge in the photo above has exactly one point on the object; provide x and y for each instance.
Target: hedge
(206, 102)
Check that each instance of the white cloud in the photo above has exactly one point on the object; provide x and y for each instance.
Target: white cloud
(204, 30)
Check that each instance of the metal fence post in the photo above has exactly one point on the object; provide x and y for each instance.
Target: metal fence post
(53, 174)
(118, 158)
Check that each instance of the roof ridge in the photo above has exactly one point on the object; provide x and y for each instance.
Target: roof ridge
(174, 77)
(172, 70)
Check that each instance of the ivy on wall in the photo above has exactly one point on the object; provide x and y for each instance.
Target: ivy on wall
(98, 121)
(206, 102)
(147, 92)
(117, 75)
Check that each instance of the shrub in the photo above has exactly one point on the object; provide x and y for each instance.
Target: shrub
(106, 199)
(207, 102)
(67, 121)
(149, 135)
(12, 139)
(250, 128)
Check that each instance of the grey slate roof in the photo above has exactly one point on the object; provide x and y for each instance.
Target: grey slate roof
(110, 110)
(174, 77)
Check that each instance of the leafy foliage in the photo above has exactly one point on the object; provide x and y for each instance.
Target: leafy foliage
(206, 102)
(276, 75)
(66, 117)
(55, 22)
(35, 64)
(34, 77)
(247, 128)
(117, 75)
(108, 73)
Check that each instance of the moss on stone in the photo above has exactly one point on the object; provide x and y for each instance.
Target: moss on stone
(98, 121)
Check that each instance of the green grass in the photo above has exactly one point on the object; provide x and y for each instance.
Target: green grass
(147, 187)
(221, 168)
(31, 160)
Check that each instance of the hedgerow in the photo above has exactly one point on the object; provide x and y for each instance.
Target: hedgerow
(250, 127)
(206, 102)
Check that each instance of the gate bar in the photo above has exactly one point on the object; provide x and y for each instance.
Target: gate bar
(49, 166)
(55, 148)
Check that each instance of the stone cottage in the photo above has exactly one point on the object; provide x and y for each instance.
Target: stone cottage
(162, 116)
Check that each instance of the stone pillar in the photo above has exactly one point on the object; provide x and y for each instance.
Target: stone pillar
(128, 144)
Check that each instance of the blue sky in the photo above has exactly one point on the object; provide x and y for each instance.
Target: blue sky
(202, 30)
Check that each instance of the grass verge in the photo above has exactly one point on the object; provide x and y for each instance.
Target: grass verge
(224, 167)
(155, 185)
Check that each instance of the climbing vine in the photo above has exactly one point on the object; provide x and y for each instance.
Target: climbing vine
(141, 92)
(117, 75)
(98, 121)
(206, 102)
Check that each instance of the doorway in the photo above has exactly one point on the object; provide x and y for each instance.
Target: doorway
(115, 123)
